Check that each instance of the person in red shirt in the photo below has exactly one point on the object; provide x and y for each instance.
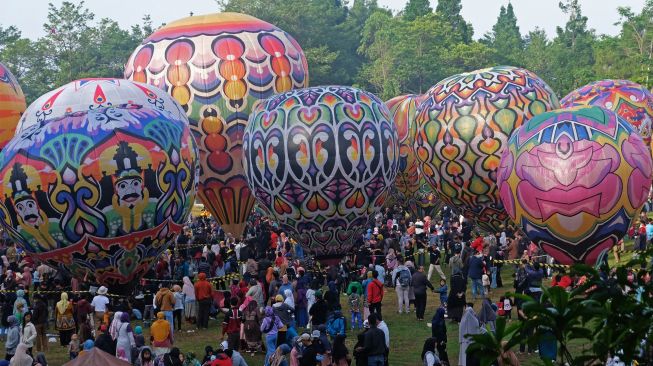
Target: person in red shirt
(375, 294)
(561, 280)
(204, 296)
(231, 324)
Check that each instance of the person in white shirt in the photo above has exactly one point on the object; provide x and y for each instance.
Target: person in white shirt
(386, 331)
(99, 304)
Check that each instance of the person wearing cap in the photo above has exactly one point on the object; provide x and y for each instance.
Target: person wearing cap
(309, 352)
(99, 304)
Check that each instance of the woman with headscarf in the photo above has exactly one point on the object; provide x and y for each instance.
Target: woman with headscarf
(160, 334)
(439, 332)
(391, 260)
(145, 357)
(252, 326)
(21, 358)
(115, 322)
(65, 322)
(172, 358)
(469, 325)
(301, 313)
(88, 345)
(487, 316)
(270, 327)
(332, 296)
(40, 359)
(125, 339)
(190, 303)
(20, 303)
(457, 298)
(289, 298)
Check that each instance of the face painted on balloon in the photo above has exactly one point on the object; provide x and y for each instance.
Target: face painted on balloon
(129, 191)
(28, 210)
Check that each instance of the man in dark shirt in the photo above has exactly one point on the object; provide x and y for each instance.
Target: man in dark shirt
(374, 345)
(319, 311)
(40, 320)
(420, 283)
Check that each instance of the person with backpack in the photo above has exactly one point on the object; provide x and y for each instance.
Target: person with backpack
(337, 324)
(231, 324)
(402, 279)
(270, 327)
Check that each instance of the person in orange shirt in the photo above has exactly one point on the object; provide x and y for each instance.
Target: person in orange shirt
(204, 296)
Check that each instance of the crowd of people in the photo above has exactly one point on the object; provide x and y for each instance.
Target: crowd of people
(268, 302)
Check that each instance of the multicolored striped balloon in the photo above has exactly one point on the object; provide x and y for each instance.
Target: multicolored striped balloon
(12, 105)
(217, 66)
(462, 129)
(321, 161)
(574, 179)
(631, 101)
(412, 190)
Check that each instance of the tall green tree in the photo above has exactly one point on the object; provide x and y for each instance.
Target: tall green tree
(450, 11)
(506, 38)
(537, 56)
(572, 50)
(416, 8)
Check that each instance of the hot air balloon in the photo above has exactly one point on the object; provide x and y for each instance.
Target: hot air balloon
(89, 94)
(100, 193)
(217, 66)
(631, 101)
(574, 179)
(321, 160)
(412, 189)
(462, 129)
(12, 105)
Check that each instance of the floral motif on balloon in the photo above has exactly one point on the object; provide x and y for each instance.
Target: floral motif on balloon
(217, 66)
(462, 128)
(631, 101)
(101, 193)
(574, 179)
(321, 161)
(12, 104)
(90, 94)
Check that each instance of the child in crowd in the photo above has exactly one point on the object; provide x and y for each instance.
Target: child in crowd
(73, 347)
(443, 290)
(355, 308)
(486, 282)
(505, 304)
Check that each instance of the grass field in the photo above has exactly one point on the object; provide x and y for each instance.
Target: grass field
(407, 335)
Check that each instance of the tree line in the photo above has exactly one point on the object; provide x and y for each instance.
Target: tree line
(357, 43)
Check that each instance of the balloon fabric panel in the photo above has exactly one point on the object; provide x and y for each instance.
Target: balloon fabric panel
(12, 104)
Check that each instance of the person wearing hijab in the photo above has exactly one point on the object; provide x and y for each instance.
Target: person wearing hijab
(65, 322)
(340, 353)
(252, 326)
(125, 339)
(457, 298)
(270, 327)
(145, 357)
(173, 358)
(20, 303)
(332, 296)
(160, 334)
(115, 322)
(487, 316)
(439, 332)
(190, 303)
(469, 325)
(87, 346)
(139, 339)
(279, 358)
(21, 358)
(13, 337)
(288, 298)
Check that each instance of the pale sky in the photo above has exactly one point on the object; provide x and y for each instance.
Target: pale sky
(29, 15)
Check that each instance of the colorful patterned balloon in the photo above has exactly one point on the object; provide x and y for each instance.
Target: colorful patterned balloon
(217, 66)
(574, 179)
(412, 190)
(321, 160)
(89, 94)
(12, 105)
(99, 194)
(463, 127)
(629, 100)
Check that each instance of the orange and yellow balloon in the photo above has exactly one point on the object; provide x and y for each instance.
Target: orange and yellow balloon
(217, 66)
(12, 104)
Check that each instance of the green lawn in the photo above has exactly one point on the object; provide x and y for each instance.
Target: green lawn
(407, 335)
